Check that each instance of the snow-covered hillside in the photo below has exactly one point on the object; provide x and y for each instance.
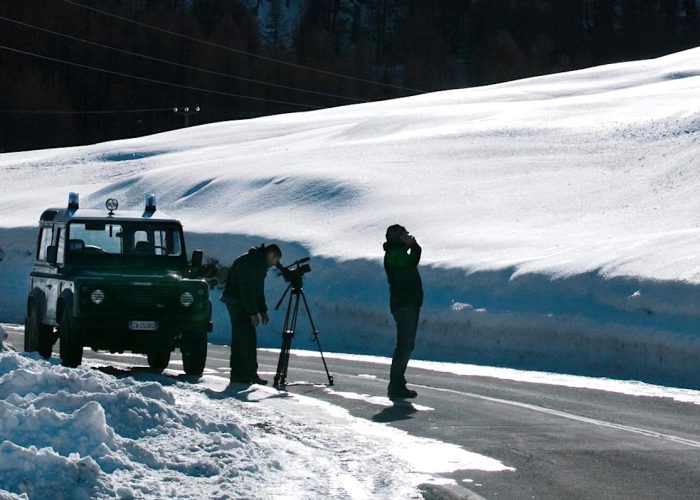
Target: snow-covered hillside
(555, 213)
(567, 173)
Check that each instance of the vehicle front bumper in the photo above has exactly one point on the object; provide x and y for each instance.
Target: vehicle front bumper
(115, 335)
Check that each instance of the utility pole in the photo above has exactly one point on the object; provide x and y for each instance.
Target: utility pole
(186, 112)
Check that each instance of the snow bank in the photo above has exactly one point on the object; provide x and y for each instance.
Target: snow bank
(80, 433)
(557, 214)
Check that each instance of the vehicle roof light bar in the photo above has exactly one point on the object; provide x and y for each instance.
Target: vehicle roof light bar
(73, 201)
(150, 203)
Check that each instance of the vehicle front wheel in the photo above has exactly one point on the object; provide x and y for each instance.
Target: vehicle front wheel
(158, 360)
(194, 352)
(70, 347)
(38, 337)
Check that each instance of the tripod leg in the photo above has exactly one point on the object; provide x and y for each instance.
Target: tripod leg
(290, 324)
(280, 380)
(283, 361)
(315, 337)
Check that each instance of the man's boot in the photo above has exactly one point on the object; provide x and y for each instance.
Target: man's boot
(402, 392)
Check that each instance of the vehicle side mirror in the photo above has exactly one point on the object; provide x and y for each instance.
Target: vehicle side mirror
(51, 254)
(197, 259)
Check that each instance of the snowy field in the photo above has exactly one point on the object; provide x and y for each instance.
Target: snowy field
(558, 216)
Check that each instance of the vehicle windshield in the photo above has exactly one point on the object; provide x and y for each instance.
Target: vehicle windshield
(102, 241)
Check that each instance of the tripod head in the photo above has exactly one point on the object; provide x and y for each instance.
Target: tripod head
(294, 272)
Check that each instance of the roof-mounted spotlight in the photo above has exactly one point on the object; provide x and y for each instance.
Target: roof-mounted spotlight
(73, 201)
(150, 203)
(111, 204)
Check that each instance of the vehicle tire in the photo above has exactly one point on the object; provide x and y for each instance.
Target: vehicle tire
(194, 352)
(70, 347)
(37, 336)
(158, 360)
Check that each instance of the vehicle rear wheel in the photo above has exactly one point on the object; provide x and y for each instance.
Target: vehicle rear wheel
(70, 348)
(37, 336)
(158, 360)
(194, 352)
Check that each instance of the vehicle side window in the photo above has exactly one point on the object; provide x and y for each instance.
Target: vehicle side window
(140, 236)
(61, 242)
(169, 240)
(45, 241)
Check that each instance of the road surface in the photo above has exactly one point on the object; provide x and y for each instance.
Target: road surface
(563, 442)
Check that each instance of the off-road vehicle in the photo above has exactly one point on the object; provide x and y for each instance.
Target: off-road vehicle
(117, 281)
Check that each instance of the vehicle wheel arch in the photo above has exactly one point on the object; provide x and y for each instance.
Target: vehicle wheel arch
(37, 298)
(65, 303)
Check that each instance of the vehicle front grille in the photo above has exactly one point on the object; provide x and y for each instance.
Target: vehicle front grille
(143, 297)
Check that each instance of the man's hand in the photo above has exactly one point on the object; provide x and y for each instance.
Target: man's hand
(408, 239)
(255, 320)
(265, 318)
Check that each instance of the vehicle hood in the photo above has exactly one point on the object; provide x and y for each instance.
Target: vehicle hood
(122, 276)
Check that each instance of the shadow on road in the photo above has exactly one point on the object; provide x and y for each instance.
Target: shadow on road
(401, 410)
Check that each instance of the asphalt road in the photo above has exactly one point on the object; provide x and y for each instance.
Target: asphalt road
(565, 443)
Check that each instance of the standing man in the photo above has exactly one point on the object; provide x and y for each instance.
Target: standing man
(244, 296)
(406, 290)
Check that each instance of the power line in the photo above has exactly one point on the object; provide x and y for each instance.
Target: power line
(186, 66)
(161, 82)
(94, 112)
(248, 114)
(243, 52)
(230, 112)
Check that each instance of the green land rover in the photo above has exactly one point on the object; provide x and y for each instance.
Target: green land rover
(117, 281)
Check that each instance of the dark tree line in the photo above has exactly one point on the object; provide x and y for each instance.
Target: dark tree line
(408, 45)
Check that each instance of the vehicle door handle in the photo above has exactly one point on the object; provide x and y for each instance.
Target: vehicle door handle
(49, 286)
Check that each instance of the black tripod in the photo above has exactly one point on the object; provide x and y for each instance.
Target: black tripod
(289, 329)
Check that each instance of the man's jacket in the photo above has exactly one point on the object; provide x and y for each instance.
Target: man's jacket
(245, 284)
(401, 266)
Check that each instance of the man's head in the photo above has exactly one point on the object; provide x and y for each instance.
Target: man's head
(395, 232)
(273, 254)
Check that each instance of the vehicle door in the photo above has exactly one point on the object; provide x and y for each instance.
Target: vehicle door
(55, 282)
(43, 273)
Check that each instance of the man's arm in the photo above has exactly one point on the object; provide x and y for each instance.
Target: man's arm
(400, 257)
(229, 279)
(415, 254)
(262, 304)
(248, 289)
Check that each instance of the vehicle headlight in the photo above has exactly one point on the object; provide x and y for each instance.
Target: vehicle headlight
(97, 296)
(186, 299)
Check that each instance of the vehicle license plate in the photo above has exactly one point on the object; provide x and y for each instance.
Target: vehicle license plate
(143, 325)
